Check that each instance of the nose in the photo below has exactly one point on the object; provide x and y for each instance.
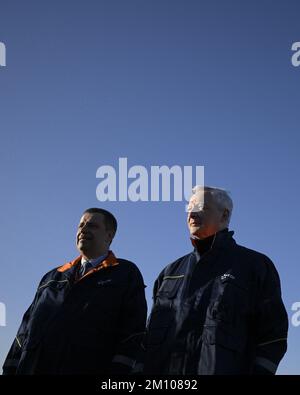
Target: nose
(196, 213)
(81, 231)
(193, 214)
(83, 227)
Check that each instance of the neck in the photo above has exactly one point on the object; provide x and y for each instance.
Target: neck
(204, 234)
(205, 244)
(93, 255)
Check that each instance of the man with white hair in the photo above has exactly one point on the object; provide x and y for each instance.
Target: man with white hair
(218, 309)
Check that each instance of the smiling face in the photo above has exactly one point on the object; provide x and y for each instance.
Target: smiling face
(205, 217)
(93, 238)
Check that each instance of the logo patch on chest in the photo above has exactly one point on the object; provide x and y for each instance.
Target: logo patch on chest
(104, 282)
(227, 276)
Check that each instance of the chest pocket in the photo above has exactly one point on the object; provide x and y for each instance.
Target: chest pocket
(100, 303)
(55, 285)
(226, 319)
(53, 292)
(162, 315)
(104, 294)
(234, 294)
(170, 286)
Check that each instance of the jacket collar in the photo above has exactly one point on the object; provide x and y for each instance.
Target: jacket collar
(70, 267)
(222, 239)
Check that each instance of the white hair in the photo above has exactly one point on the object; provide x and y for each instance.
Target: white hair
(220, 196)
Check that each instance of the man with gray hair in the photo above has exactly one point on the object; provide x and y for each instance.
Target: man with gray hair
(218, 309)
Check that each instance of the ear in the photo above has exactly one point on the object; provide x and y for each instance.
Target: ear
(110, 236)
(225, 215)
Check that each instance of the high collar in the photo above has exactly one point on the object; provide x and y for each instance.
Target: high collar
(211, 242)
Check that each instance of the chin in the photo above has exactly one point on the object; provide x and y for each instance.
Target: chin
(199, 232)
(81, 248)
(195, 230)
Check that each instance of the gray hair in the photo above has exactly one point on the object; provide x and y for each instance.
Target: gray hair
(220, 196)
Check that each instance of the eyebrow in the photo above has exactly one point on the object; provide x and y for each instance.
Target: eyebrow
(88, 222)
(205, 206)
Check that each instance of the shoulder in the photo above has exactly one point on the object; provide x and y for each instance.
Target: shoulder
(50, 274)
(125, 264)
(130, 269)
(175, 266)
(252, 254)
(257, 262)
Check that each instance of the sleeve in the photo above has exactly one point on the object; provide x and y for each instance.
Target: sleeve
(156, 286)
(271, 324)
(11, 362)
(130, 352)
(13, 357)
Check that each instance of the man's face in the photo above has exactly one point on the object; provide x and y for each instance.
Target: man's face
(204, 216)
(92, 237)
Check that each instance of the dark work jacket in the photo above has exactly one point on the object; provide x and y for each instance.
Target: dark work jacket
(93, 326)
(218, 314)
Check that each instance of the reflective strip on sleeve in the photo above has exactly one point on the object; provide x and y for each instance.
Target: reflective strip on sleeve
(132, 336)
(124, 360)
(273, 341)
(19, 343)
(267, 364)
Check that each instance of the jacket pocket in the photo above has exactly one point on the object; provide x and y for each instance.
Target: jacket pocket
(159, 324)
(54, 285)
(227, 278)
(224, 337)
(232, 301)
(170, 286)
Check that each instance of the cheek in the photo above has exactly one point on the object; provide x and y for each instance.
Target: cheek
(216, 217)
(210, 218)
(102, 236)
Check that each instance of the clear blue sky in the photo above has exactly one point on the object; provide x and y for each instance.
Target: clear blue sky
(162, 83)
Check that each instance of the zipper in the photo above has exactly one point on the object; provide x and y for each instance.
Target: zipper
(191, 272)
